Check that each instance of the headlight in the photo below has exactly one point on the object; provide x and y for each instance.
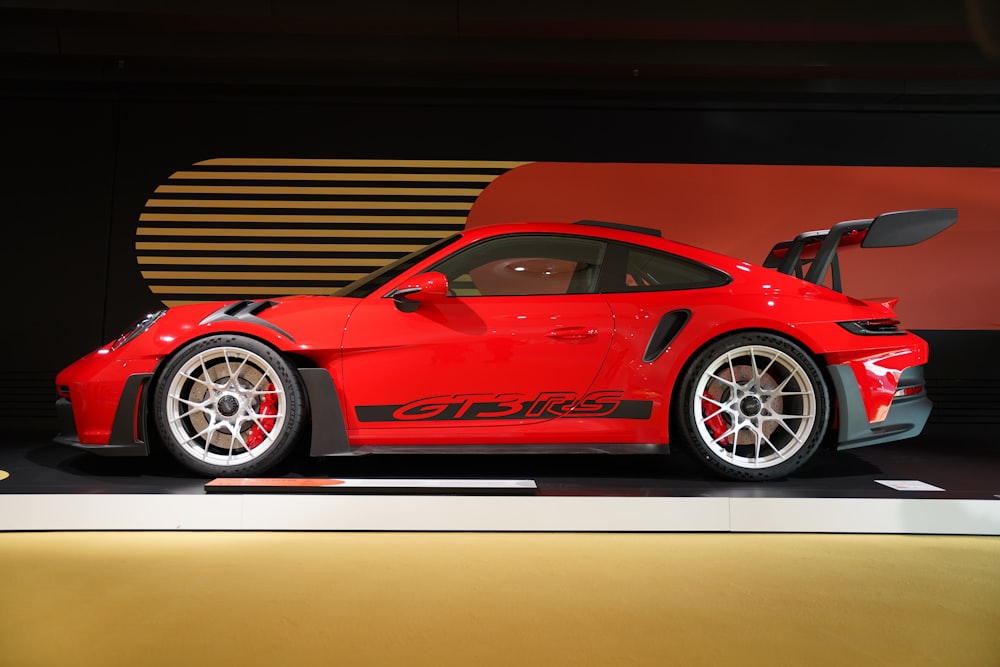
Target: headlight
(137, 328)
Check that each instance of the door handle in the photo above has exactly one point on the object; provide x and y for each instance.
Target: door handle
(572, 333)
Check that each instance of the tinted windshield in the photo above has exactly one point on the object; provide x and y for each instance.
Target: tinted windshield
(364, 286)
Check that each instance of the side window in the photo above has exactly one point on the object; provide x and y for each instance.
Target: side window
(647, 270)
(525, 265)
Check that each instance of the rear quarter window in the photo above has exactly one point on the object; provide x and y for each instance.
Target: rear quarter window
(643, 270)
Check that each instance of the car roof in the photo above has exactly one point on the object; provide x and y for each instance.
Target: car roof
(639, 236)
(603, 231)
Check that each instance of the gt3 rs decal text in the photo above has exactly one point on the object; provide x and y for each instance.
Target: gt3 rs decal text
(546, 405)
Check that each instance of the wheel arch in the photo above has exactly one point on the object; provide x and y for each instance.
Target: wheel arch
(674, 404)
(809, 431)
(165, 359)
(327, 425)
(325, 420)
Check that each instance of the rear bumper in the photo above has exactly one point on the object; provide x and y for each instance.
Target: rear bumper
(905, 419)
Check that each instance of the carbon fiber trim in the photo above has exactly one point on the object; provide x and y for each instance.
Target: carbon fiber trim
(329, 430)
(906, 417)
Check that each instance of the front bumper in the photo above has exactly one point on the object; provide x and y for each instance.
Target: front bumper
(128, 429)
(905, 419)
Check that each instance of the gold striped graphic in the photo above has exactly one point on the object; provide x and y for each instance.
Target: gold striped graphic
(254, 275)
(276, 247)
(313, 233)
(293, 203)
(234, 228)
(315, 190)
(401, 220)
(241, 290)
(332, 176)
(502, 165)
(160, 260)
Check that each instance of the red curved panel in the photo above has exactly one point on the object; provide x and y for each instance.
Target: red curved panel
(948, 282)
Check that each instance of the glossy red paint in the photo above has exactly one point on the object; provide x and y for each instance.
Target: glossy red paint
(96, 381)
(425, 287)
(474, 347)
(95, 385)
(513, 369)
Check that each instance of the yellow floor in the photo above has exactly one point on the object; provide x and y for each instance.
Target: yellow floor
(497, 599)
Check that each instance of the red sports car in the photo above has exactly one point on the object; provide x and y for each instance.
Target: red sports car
(590, 336)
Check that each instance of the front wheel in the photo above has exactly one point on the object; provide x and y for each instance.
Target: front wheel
(755, 406)
(228, 406)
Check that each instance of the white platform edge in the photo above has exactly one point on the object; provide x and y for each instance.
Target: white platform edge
(275, 512)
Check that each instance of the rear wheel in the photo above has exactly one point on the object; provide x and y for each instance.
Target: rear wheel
(229, 406)
(755, 406)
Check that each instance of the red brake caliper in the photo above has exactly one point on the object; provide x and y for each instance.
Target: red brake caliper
(268, 406)
(716, 424)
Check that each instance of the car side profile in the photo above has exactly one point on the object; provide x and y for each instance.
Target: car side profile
(550, 337)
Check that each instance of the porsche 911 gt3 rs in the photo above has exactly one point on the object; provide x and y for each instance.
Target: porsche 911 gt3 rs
(590, 336)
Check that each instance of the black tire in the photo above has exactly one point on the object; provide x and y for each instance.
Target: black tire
(229, 406)
(753, 406)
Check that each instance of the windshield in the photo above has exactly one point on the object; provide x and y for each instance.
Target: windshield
(364, 286)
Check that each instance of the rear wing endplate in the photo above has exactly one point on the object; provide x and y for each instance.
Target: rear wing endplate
(818, 249)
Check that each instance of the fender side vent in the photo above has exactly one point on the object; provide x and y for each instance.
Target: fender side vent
(663, 335)
(244, 308)
(246, 311)
(260, 306)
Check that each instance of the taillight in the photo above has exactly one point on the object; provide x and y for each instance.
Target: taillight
(908, 391)
(881, 327)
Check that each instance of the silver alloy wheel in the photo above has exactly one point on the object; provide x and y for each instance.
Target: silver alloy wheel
(757, 407)
(226, 406)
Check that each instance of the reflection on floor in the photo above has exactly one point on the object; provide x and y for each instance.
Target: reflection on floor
(668, 493)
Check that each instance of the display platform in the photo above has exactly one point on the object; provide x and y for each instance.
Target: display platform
(926, 485)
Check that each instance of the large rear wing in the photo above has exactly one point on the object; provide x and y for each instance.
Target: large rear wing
(818, 249)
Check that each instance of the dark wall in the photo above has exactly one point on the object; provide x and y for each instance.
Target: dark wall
(58, 188)
(80, 164)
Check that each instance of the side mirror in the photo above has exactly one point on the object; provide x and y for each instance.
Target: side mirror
(428, 286)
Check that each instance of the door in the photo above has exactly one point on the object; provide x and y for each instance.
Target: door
(520, 340)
